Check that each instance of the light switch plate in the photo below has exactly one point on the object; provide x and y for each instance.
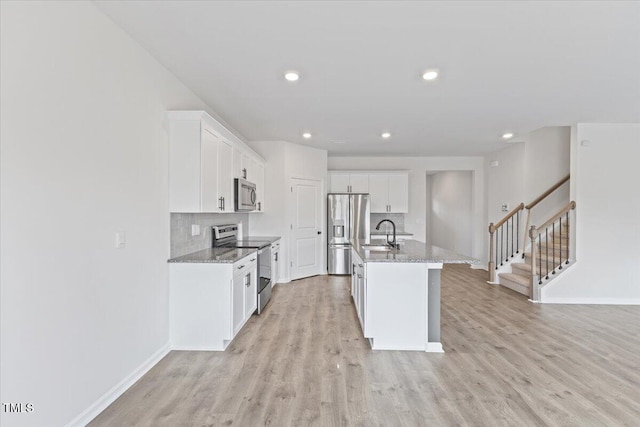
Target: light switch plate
(195, 229)
(121, 239)
(505, 207)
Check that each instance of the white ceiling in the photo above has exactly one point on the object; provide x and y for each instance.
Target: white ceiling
(504, 66)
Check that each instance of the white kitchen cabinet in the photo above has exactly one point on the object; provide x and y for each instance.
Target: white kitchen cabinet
(389, 192)
(211, 302)
(351, 182)
(275, 262)
(260, 187)
(204, 158)
(359, 288)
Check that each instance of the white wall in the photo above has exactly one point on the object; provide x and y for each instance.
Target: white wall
(284, 161)
(524, 171)
(84, 154)
(450, 216)
(415, 220)
(604, 184)
(546, 161)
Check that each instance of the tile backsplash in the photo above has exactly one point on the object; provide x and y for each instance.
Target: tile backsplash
(397, 218)
(182, 242)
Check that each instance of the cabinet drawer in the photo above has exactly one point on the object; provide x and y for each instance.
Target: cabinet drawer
(241, 267)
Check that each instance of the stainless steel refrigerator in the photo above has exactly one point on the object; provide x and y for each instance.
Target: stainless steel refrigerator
(347, 220)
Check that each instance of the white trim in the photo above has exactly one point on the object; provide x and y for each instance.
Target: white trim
(434, 265)
(116, 391)
(399, 347)
(598, 301)
(492, 283)
(434, 347)
(479, 267)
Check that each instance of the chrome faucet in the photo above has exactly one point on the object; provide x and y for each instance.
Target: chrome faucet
(392, 243)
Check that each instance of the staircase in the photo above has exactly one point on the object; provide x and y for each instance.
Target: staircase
(520, 277)
(546, 249)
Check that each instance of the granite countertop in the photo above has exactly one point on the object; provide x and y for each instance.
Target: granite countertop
(214, 255)
(384, 233)
(413, 251)
(270, 239)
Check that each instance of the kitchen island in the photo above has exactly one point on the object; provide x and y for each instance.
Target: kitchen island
(396, 292)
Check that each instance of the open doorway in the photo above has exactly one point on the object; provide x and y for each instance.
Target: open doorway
(449, 211)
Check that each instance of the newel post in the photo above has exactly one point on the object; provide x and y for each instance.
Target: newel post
(535, 289)
(492, 264)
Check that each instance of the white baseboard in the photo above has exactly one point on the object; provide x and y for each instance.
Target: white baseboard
(434, 347)
(592, 301)
(493, 283)
(479, 267)
(110, 396)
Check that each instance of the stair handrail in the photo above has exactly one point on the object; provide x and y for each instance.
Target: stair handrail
(493, 243)
(535, 234)
(537, 200)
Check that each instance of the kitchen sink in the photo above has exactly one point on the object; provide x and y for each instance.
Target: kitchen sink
(382, 248)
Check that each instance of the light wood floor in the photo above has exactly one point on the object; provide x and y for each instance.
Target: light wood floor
(304, 362)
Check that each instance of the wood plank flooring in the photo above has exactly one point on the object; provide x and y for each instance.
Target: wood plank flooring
(304, 362)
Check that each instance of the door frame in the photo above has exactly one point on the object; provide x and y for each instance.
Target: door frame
(323, 221)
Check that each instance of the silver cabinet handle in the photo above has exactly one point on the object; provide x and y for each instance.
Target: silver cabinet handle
(247, 280)
(244, 173)
(359, 265)
(259, 206)
(253, 259)
(241, 267)
(276, 256)
(359, 276)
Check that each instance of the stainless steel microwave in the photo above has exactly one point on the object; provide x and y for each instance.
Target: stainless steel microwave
(245, 195)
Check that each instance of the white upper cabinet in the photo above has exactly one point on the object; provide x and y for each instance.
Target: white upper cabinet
(204, 159)
(399, 193)
(389, 190)
(379, 193)
(348, 182)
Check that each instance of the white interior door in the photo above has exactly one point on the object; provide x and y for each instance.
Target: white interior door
(306, 228)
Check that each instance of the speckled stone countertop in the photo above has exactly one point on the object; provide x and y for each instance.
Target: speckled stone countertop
(270, 239)
(384, 233)
(214, 255)
(413, 251)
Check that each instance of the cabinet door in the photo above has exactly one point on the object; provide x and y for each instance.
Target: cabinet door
(251, 292)
(225, 176)
(275, 268)
(245, 169)
(359, 182)
(338, 182)
(259, 175)
(237, 302)
(237, 162)
(209, 172)
(379, 193)
(399, 193)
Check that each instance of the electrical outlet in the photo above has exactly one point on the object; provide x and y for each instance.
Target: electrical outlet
(195, 229)
(505, 207)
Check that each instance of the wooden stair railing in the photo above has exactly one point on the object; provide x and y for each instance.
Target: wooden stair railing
(544, 261)
(538, 199)
(502, 247)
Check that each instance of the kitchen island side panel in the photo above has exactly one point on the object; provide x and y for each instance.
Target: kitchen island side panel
(396, 305)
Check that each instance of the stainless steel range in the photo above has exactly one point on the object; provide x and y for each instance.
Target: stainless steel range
(226, 236)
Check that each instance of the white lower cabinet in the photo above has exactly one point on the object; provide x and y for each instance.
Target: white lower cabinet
(275, 262)
(210, 302)
(359, 288)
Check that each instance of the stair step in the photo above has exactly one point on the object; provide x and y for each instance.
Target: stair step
(544, 258)
(524, 281)
(516, 282)
(521, 268)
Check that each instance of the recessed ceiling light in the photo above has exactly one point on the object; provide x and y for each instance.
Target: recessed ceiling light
(386, 135)
(292, 76)
(507, 135)
(430, 75)
(306, 135)
(340, 142)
